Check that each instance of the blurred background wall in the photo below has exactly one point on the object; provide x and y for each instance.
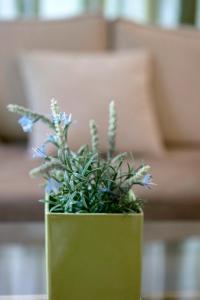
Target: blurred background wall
(168, 13)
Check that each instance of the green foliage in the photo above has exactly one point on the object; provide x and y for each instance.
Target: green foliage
(84, 181)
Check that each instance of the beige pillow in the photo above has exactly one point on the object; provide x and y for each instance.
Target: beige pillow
(84, 84)
(177, 76)
(84, 33)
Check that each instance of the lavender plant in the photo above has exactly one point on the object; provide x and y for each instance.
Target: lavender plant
(84, 181)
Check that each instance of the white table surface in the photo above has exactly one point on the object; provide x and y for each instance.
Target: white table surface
(39, 297)
(167, 296)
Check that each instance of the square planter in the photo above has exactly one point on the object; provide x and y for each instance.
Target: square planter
(93, 256)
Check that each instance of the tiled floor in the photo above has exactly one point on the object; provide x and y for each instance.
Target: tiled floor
(171, 259)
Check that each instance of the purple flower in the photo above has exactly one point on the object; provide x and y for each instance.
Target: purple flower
(147, 181)
(104, 190)
(63, 118)
(52, 139)
(53, 186)
(39, 152)
(26, 123)
(66, 119)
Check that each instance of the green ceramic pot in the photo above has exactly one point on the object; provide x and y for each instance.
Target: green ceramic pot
(93, 256)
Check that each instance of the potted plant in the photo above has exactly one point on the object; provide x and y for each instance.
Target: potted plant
(93, 218)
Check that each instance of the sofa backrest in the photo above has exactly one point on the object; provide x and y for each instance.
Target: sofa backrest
(177, 76)
(86, 33)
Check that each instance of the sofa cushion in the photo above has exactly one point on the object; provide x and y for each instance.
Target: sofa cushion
(84, 85)
(19, 194)
(177, 193)
(77, 34)
(177, 64)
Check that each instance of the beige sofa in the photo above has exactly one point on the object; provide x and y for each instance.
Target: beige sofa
(177, 72)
